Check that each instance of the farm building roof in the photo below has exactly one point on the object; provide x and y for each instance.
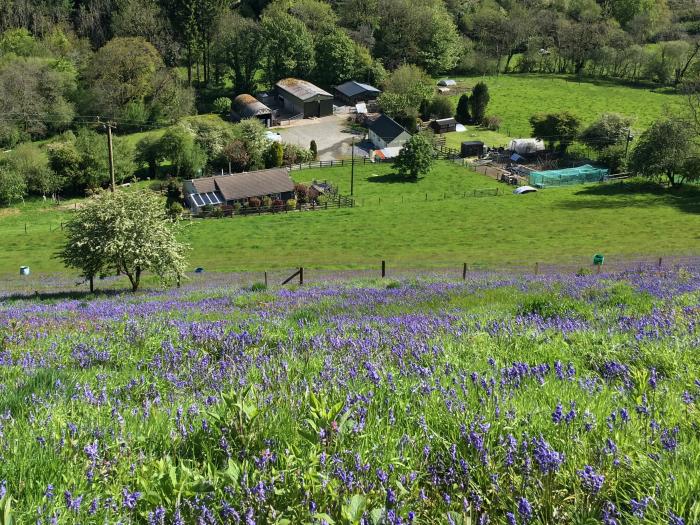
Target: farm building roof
(386, 128)
(248, 106)
(302, 89)
(447, 82)
(445, 121)
(248, 184)
(352, 88)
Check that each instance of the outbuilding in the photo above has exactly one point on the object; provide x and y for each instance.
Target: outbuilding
(447, 83)
(472, 148)
(238, 188)
(303, 98)
(443, 125)
(352, 92)
(247, 106)
(385, 132)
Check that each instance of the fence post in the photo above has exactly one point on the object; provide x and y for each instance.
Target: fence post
(537, 268)
(426, 197)
(265, 279)
(464, 272)
(25, 227)
(660, 259)
(301, 275)
(383, 269)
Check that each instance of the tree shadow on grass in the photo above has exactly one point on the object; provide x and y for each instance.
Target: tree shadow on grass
(77, 295)
(621, 195)
(393, 178)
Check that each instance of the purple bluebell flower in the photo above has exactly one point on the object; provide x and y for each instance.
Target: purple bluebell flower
(591, 481)
(510, 519)
(129, 499)
(673, 519)
(639, 507)
(524, 509)
(72, 502)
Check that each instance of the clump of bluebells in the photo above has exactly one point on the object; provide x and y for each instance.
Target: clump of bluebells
(429, 401)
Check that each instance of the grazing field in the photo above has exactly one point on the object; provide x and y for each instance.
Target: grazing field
(394, 221)
(534, 400)
(515, 98)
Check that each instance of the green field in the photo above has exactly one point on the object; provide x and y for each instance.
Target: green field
(559, 225)
(515, 98)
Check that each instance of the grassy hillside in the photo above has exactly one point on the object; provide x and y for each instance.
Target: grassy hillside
(555, 225)
(515, 98)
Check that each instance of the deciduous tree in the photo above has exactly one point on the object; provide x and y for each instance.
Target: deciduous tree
(416, 157)
(128, 231)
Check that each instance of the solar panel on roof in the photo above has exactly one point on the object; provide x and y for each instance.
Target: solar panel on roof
(197, 199)
(214, 198)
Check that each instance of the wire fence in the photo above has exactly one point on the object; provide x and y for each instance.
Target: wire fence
(47, 285)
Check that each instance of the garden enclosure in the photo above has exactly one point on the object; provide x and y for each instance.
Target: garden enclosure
(580, 175)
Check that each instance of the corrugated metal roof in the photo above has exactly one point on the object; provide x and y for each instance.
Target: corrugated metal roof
(352, 88)
(248, 106)
(302, 89)
(248, 184)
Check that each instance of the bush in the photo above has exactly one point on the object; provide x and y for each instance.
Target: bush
(291, 204)
(492, 122)
(222, 105)
(174, 210)
(254, 202)
(302, 192)
(267, 202)
(313, 148)
(614, 158)
(278, 203)
(441, 107)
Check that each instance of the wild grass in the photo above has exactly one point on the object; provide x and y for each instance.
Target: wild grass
(394, 221)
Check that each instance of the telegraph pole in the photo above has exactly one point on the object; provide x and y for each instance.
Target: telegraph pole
(110, 151)
(352, 169)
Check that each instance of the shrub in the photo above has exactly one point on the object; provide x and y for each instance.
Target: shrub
(254, 202)
(441, 107)
(291, 204)
(174, 209)
(313, 148)
(302, 192)
(266, 202)
(614, 158)
(278, 203)
(218, 212)
(294, 154)
(492, 122)
(258, 287)
(222, 105)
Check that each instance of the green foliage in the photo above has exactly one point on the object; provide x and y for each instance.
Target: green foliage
(148, 151)
(416, 157)
(314, 149)
(32, 164)
(127, 231)
(463, 116)
(666, 149)
(121, 72)
(222, 105)
(406, 90)
(239, 46)
(290, 49)
(614, 157)
(254, 136)
(421, 33)
(556, 128)
(335, 58)
(34, 99)
(13, 186)
(441, 107)
(178, 146)
(492, 122)
(610, 129)
(236, 155)
(479, 101)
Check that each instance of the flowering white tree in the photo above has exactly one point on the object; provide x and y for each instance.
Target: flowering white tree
(127, 231)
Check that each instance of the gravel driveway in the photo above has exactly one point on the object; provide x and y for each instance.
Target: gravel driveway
(328, 132)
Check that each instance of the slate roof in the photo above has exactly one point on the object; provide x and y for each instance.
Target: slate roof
(302, 89)
(386, 128)
(248, 184)
(248, 106)
(352, 88)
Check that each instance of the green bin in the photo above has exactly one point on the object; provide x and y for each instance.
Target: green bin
(598, 259)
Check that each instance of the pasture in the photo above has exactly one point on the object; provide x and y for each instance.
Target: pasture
(395, 221)
(515, 98)
(504, 399)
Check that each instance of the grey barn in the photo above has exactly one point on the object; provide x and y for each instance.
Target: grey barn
(303, 98)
